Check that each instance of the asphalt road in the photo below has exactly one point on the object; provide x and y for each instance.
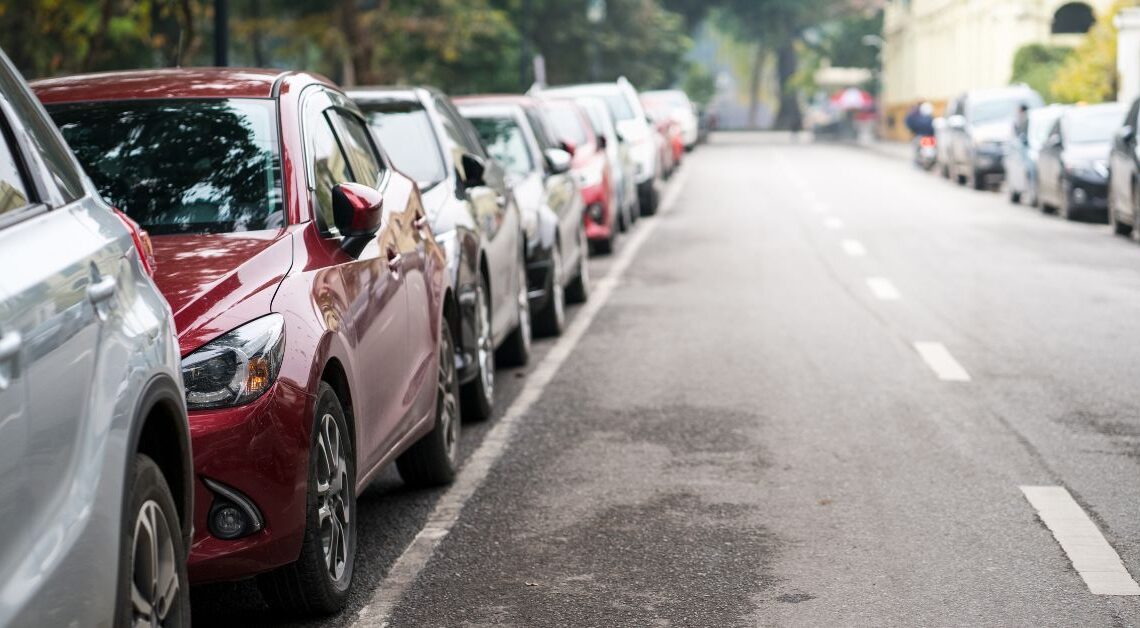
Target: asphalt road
(746, 432)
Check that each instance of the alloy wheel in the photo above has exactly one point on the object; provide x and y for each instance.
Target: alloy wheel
(484, 349)
(449, 421)
(333, 510)
(155, 585)
(524, 307)
(557, 290)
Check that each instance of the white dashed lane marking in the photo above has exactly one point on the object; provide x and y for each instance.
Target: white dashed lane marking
(833, 223)
(854, 248)
(883, 289)
(1093, 558)
(938, 358)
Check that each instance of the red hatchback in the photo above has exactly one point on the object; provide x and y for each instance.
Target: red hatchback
(310, 298)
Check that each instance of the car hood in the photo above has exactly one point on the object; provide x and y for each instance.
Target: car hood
(217, 282)
(1087, 153)
(992, 131)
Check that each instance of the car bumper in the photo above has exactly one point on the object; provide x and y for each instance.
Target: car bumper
(260, 450)
(599, 217)
(538, 282)
(1085, 195)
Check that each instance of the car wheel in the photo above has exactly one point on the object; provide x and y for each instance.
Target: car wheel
(579, 289)
(622, 219)
(1015, 197)
(516, 350)
(153, 587)
(1064, 210)
(552, 319)
(977, 180)
(434, 459)
(319, 581)
(479, 394)
(945, 171)
(649, 203)
(1035, 193)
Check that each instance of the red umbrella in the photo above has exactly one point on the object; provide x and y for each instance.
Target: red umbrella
(852, 99)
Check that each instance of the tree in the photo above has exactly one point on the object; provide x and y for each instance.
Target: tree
(1037, 65)
(1089, 74)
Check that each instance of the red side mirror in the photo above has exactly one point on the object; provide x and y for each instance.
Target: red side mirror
(569, 147)
(357, 209)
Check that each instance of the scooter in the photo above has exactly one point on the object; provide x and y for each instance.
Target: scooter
(925, 151)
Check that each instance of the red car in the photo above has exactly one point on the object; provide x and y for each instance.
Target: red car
(591, 168)
(310, 298)
(672, 147)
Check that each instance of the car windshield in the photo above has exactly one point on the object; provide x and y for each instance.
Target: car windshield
(505, 142)
(1093, 127)
(993, 110)
(613, 98)
(567, 124)
(182, 166)
(405, 131)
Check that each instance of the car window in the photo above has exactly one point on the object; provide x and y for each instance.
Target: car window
(454, 128)
(505, 142)
(330, 165)
(13, 191)
(363, 158)
(1130, 119)
(1091, 127)
(568, 124)
(541, 129)
(44, 138)
(405, 131)
(182, 166)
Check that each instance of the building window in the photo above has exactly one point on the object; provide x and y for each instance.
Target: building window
(1073, 18)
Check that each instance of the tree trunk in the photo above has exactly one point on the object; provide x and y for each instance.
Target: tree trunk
(256, 37)
(359, 43)
(99, 39)
(789, 118)
(754, 86)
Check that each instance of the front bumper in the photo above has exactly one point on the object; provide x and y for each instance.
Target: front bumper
(260, 450)
(599, 216)
(1087, 194)
(988, 163)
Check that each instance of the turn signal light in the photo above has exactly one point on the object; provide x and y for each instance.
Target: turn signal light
(141, 240)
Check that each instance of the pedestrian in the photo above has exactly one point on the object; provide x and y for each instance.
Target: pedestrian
(920, 120)
(1021, 123)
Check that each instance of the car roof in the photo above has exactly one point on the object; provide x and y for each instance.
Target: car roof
(495, 99)
(1082, 111)
(167, 83)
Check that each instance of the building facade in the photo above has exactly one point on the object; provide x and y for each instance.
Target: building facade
(935, 49)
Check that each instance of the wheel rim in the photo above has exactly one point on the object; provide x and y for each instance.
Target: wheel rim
(155, 585)
(557, 291)
(448, 405)
(333, 504)
(524, 307)
(485, 354)
(583, 262)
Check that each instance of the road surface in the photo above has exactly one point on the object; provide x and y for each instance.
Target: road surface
(822, 388)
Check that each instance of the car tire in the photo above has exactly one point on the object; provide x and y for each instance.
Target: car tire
(1015, 197)
(1064, 209)
(977, 181)
(1034, 189)
(152, 537)
(316, 584)
(945, 172)
(516, 350)
(623, 224)
(434, 459)
(578, 291)
(551, 320)
(478, 395)
(650, 201)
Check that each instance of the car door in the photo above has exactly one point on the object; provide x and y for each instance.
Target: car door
(1049, 166)
(495, 214)
(1122, 164)
(561, 192)
(376, 299)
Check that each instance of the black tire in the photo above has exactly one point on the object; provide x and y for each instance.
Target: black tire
(308, 586)
(578, 291)
(977, 181)
(516, 350)
(1015, 197)
(649, 200)
(434, 459)
(603, 247)
(1064, 208)
(945, 171)
(551, 320)
(623, 224)
(478, 395)
(150, 512)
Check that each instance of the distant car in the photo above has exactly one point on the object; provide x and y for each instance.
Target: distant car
(1073, 165)
(474, 217)
(96, 498)
(1021, 158)
(513, 130)
(682, 111)
(634, 130)
(314, 316)
(1124, 175)
(672, 143)
(978, 128)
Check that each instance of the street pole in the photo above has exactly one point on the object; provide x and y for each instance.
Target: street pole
(595, 15)
(221, 33)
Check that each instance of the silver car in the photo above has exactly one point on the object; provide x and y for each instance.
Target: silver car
(95, 466)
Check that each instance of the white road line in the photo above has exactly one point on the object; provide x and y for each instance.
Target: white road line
(883, 289)
(854, 248)
(938, 358)
(1093, 558)
(442, 519)
(833, 223)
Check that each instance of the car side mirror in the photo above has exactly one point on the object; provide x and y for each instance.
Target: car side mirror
(1126, 134)
(557, 161)
(357, 211)
(474, 170)
(569, 147)
(956, 122)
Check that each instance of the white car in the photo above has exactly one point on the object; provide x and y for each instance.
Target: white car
(682, 111)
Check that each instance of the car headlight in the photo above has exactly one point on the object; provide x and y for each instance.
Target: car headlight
(1101, 168)
(235, 368)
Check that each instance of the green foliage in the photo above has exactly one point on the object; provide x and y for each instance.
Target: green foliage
(699, 84)
(1089, 75)
(1037, 65)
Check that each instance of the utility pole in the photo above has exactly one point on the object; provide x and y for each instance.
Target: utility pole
(221, 33)
(595, 15)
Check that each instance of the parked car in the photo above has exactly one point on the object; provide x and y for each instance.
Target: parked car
(634, 130)
(1073, 164)
(622, 167)
(514, 132)
(1124, 175)
(591, 168)
(978, 126)
(681, 110)
(1021, 159)
(94, 444)
(671, 145)
(314, 317)
(475, 218)
(942, 144)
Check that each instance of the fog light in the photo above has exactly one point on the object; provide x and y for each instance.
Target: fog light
(232, 515)
(597, 213)
(1079, 196)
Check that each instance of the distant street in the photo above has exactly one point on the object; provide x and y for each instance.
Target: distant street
(809, 393)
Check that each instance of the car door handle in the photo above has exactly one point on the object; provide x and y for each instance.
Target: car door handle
(101, 290)
(10, 346)
(395, 261)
